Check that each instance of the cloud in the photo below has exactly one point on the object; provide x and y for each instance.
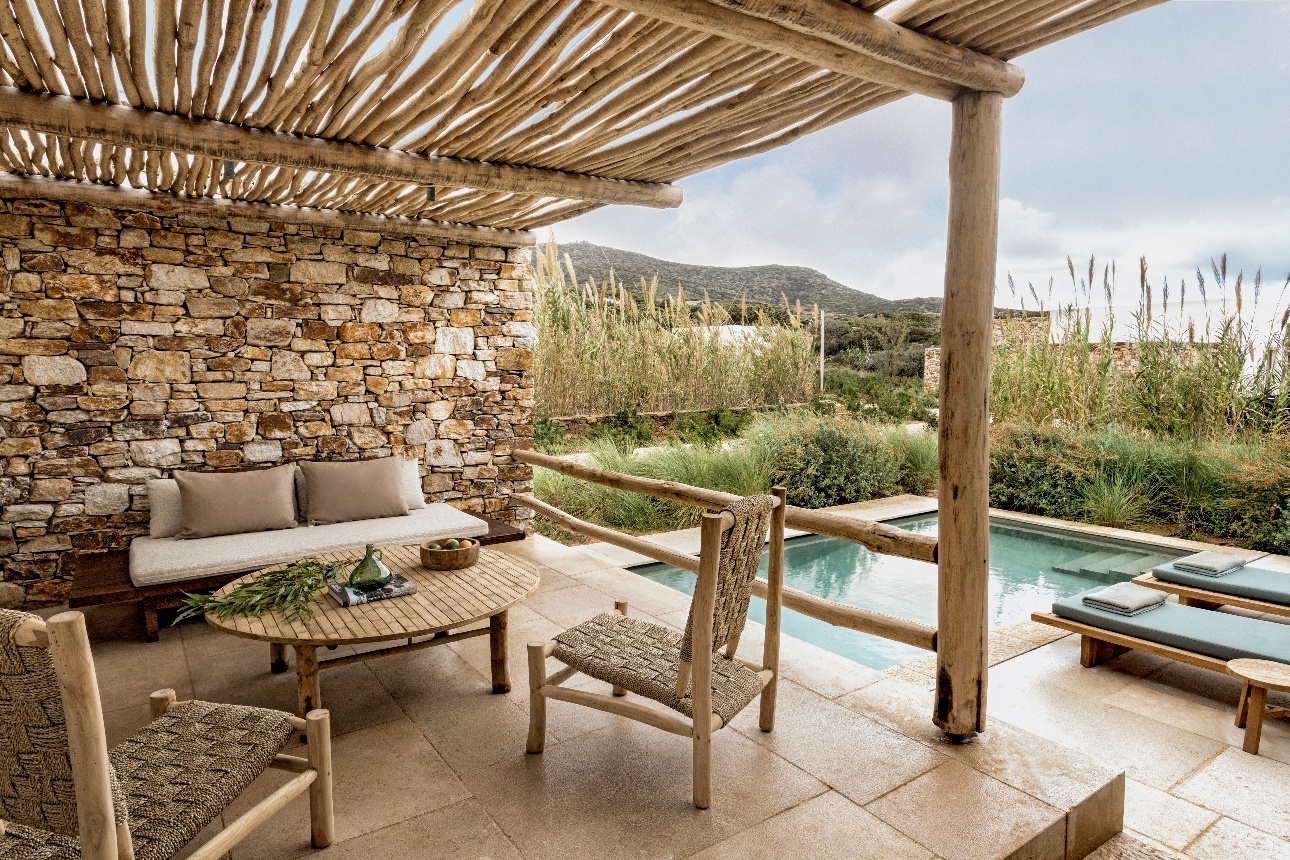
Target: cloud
(1174, 245)
(1165, 134)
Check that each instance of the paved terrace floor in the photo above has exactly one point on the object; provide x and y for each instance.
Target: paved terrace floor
(429, 764)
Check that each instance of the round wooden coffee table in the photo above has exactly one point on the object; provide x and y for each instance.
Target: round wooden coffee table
(1259, 676)
(445, 601)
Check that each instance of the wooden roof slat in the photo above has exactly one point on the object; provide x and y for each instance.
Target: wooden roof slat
(1093, 15)
(125, 126)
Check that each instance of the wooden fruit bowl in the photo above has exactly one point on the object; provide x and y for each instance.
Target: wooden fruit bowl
(449, 559)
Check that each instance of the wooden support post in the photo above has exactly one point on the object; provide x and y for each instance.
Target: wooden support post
(966, 329)
(497, 653)
(322, 817)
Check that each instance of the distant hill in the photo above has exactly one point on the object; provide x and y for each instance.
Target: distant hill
(761, 284)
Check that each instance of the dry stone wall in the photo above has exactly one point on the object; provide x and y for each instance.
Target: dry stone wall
(133, 344)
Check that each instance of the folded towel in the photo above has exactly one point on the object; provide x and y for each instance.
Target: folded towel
(1210, 563)
(1125, 598)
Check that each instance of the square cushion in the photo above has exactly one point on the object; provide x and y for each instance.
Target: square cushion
(412, 492)
(342, 492)
(165, 514)
(224, 503)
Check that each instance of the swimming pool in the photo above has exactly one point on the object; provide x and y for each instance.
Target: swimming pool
(1029, 568)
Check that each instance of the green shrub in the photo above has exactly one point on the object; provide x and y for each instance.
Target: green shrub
(822, 465)
(879, 396)
(711, 426)
(626, 429)
(548, 435)
(1039, 471)
(916, 453)
(1232, 491)
(1116, 501)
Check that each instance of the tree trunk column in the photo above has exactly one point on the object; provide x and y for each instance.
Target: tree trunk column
(966, 342)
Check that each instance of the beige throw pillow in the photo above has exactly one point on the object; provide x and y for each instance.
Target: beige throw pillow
(227, 503)
(165, 513)
(355, 490)
(412, 492)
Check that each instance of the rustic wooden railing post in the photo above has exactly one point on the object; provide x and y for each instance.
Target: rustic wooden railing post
(966, 334)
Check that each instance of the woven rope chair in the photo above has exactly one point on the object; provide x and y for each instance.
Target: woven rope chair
(65, 796)
(683, 671)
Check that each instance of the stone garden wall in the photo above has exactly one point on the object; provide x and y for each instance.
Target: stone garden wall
(133, 343)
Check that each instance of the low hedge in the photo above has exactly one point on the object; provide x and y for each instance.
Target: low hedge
(1238, 492)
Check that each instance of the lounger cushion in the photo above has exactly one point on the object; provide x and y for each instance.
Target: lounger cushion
(1255, 583)
(158, 560)
(1201, 631)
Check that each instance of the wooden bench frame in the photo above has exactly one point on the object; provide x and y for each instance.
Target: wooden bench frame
(1097, 645)
(1202, 598)
(103, 577)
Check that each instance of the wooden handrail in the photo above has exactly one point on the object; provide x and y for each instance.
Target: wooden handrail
(837, 614)
(879, 537)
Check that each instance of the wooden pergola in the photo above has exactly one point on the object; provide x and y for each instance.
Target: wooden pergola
(487, 119)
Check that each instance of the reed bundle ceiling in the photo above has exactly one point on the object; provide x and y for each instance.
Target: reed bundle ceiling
(500, 113)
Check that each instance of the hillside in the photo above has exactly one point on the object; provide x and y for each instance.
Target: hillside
(761, 284)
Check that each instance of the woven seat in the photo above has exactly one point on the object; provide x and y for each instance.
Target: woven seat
(160, 787)
(683, 671)
(179, 772)
(644, 658)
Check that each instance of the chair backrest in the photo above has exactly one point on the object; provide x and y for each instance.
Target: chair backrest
(54, 768)
(36, 787)
(741, 550)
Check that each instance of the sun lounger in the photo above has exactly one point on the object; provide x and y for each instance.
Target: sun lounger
(1182, 633)
(1253, 588)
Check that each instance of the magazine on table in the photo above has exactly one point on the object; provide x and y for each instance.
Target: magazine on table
(346, 596)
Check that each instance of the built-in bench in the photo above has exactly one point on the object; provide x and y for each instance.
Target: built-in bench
(103, 577)
(158, 569)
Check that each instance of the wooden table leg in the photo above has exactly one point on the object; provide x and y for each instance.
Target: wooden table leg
(1254, 718)
(497, 652)
(1243, 705)
(309, 690)
(277, 658)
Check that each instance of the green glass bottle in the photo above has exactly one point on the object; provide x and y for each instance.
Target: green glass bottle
(370, 573)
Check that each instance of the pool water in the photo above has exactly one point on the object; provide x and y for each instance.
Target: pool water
(1029, 568)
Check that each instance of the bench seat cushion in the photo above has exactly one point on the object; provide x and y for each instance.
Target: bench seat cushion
(1255, 583)
(1201, 631)
(154, 561)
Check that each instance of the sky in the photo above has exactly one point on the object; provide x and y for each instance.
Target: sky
(1165, 134)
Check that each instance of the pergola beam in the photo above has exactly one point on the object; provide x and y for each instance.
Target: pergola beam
(144, 129)
(842, 38)
(112, 197)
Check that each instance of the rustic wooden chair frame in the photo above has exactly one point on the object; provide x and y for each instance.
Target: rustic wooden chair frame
(698, 672)
(101, 838)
